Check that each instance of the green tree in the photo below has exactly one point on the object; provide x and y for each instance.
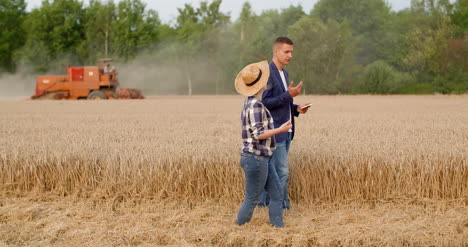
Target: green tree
(398, 27)
(288, 17)
(460, 17)
(429, 36)
(54, 31)
(429, 48)
(435, 55)
(245, 21)
(323, 55)
(257, 33)
(189, 35)
(253, 43)
(133, 30)
(99, 18)
(197, 30)
(367, 19)
(12, 14)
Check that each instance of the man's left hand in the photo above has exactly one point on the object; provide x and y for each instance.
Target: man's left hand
(302, 111)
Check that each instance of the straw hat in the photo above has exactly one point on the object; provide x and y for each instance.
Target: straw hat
(252, 78)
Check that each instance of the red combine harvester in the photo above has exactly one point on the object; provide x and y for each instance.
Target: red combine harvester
(90, 82)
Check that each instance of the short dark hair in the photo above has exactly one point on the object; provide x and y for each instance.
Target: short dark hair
(283, 40)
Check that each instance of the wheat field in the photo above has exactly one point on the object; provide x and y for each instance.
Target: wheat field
(365, 170)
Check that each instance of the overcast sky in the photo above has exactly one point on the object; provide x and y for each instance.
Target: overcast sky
(167, 10)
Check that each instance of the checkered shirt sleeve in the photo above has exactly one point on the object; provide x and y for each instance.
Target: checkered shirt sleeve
(255, 120)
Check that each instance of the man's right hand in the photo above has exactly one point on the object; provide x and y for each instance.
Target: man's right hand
(294, 91)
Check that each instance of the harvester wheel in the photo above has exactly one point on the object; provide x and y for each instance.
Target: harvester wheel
(97, 94)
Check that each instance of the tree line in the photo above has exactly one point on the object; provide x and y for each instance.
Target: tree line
(341, 46)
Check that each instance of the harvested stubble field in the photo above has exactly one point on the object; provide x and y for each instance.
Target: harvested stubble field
(365, 170)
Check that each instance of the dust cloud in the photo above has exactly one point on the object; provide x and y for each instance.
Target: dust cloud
(155, 75)
(151, 77)
(17, 86)
(147, 74)
(172, 67)
(164, 70)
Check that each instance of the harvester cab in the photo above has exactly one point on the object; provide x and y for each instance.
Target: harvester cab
(86, 82)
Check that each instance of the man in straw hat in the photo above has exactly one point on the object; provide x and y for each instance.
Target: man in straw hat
(258, 145)
(279, 101)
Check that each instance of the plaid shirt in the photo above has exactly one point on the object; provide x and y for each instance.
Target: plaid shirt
(256, 119)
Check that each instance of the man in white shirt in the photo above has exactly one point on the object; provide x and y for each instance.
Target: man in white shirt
(278, 98)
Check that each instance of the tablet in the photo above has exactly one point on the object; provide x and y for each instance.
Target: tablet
(306, 106)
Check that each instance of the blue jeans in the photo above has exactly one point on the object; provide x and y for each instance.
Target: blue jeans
(280, 162)
(260, 174)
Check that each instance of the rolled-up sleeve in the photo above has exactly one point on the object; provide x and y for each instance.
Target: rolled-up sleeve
(257, 123)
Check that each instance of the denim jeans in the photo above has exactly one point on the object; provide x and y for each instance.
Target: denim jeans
(260, 174)
(280, 162)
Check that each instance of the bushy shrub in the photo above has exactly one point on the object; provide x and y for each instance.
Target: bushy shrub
(418, 88)
(381, 78)
(454, 83)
